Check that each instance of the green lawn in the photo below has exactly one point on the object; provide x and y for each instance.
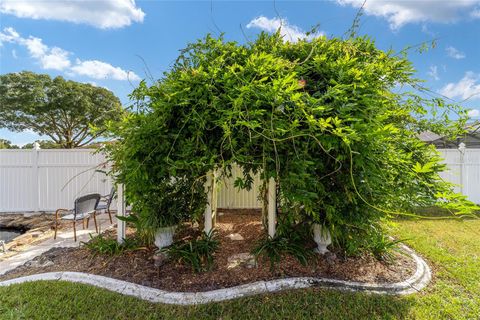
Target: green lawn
(451, 247)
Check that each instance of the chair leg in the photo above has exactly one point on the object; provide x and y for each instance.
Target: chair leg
(56, 224)
(95, 220)
(109, 215)
(84, 223)
(88, 221)
(74, 231)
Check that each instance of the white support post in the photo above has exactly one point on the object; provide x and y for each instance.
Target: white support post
(463, 179)
(215, 186)
(272, 207)
(208, 208)
(121, 225)
(36, 176)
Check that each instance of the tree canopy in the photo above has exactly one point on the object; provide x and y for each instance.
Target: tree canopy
(43, 144)
(335, 122)
(64, 110)
(7, 144)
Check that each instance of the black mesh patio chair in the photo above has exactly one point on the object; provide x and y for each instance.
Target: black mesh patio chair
(84, 207)
(105, 203)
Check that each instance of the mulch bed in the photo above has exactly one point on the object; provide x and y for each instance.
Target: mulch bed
(138, 266)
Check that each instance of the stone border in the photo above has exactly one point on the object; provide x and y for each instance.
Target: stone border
(414, 284)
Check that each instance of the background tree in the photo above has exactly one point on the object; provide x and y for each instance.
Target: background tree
(72, 114)
(7, 144)
(44, 144)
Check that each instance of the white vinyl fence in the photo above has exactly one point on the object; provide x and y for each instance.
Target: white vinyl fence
(230, 197)
(464, 171)
(45, 180)
(48, 179)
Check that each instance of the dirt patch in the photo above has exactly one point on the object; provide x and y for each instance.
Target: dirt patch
(138, 266)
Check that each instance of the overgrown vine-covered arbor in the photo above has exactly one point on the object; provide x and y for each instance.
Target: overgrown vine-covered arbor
(331, 120)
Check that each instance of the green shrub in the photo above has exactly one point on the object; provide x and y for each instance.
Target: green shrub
(292, 241)
(101, 245)
(370, 239)
(381, 247)
(145, 233)
(198, 253)
(323, 117)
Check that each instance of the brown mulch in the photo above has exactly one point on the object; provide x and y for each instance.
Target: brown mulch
(138, 266)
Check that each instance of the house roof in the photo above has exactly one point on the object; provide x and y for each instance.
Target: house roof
(471, 137)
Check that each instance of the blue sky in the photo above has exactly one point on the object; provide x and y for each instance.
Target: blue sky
(107, 42)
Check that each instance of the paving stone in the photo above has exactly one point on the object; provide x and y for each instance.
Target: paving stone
(235, 237)
(241, 259)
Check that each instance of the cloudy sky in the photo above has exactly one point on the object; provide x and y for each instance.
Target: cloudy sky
(115, 43)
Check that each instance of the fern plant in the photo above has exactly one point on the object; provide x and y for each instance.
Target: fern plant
(101, 245)
(291, 241)
(198, 253)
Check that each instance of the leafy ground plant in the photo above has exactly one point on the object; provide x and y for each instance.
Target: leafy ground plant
(102, 245)
(290, 241)
(198, 253)
(370, 239)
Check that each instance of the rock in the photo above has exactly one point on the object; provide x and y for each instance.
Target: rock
(47, 264)
(53, 253)
(330, 258)
(26, 221)
(159, 259)
(235, 237)
(35, 234)
(39, 263)
(241, 259)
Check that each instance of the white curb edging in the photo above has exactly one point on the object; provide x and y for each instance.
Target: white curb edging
(414, 284)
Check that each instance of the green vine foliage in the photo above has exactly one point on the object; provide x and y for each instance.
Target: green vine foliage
(334, 121)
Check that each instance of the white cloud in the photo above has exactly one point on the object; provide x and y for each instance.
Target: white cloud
(454, 53)
(475, 13)
(49, 58)
(434, 72)
(105, 14)
(101, 70)
(55, 58)
(400, 12)
(289, 32)
(467, 88)
(473, 113)
(9, 35)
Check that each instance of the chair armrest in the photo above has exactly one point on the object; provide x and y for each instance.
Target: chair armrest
(57, 213)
